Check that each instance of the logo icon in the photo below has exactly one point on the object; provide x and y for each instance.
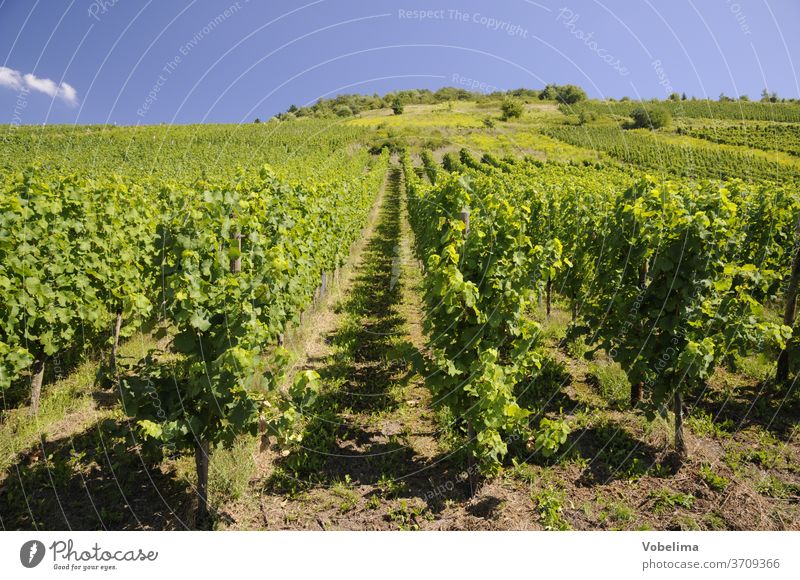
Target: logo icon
(31, 553)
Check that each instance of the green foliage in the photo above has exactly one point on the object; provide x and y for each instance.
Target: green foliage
(767, 136)
(564, 94)
(665, 500)
(714, 480)
(511, 109)
(676, 295)
(706, 109)
(650, 117)
(550, 436)
(549, 503)
(649, 151)
(703, 424)
(611, 382)
(478, 286)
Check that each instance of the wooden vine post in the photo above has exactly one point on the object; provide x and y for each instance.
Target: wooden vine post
(471, 463)
(677, 407)
(37, 377)
(201, 452)
(115, 338)
(790, 309)
(637, 389)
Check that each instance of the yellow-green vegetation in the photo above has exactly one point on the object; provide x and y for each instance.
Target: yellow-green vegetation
(556, 320)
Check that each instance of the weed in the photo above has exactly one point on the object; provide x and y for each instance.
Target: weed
(665, 500)
(577, 348)
(392, 488)
(757, 366)
(772, 486)
(687, 523)
(407, 516)
(712, 479)
(715, 521)
(230, 471)
(344, 491)
(549, 503)
(614, 512)
(704, 425)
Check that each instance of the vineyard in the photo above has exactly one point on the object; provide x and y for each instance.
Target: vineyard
(390, 322)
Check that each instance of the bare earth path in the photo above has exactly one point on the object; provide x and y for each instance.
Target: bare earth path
(373, 458)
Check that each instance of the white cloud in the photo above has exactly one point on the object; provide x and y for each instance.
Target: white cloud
(10, 78)
(15, 80)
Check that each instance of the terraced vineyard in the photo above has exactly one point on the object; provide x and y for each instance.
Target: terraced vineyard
(364, 324)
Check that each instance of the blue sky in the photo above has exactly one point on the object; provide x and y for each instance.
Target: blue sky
(146, 62)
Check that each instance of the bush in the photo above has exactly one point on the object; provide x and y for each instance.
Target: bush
(397, 107)
(343, 111)
(570, 94)
(564, 94)
(512, 109)
(586, 116)
(650, 118)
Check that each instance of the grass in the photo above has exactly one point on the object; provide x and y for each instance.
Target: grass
(345, 494)
(67, 405)
(704, 424)
(611, 383)
(614, 512)
(230, 471)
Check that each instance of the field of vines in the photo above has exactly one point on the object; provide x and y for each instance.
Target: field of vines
(340, 327)
(770, 137)
(703, 109)
(668, 279)
(684, 160)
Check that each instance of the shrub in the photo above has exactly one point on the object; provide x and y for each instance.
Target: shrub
(564, 94)
(650, 118)
(570, 94)
(397, 107)
(343, 111)
(512, 109)
(586, 116)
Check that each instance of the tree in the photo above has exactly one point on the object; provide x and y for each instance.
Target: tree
(397, 106)
(674, 97)
(650, 118)
(683, 96)
(570, 94)
(512, 109)
(257, 121)
(565, 94)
